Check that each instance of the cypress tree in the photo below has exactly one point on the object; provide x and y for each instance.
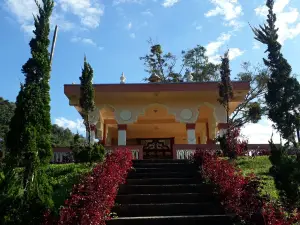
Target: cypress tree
(225, 87)
(29, 139)
(86, 100)
(283, 96)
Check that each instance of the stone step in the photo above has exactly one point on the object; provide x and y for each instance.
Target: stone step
(162, 181)
(163, 165)
(157, 189)
(166, 209)
(186, 169)
(141, 175)
(173, 220)
(165, 198)
(161, 161)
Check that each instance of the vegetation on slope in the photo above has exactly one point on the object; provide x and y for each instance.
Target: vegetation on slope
(260, 166)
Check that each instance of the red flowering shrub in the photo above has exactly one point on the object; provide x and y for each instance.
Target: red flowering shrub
(91, 200)
(240, 195)
(231, 143)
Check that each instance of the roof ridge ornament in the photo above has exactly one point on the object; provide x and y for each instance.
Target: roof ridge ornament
(154, 78)
(122, 78)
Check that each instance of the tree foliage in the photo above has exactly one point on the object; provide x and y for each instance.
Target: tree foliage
(161, 64)
(286, 172)
(6, 112)
(29, 137)
(196, 62)
(253, 107)
(283, 96)
(61, 137)
(86, 100)
(225, 86)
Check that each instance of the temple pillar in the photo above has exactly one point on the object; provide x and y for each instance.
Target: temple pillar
(93, 118)
(221, 120)
(203, 138)
(191, 134)
(122, 134)
(92, 133)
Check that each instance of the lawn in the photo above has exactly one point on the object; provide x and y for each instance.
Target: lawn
(62, 179)
(260, 166)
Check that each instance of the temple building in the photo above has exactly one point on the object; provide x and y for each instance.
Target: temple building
(157, 119)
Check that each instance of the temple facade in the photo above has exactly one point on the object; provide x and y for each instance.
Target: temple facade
(154, 119)
(157, 119)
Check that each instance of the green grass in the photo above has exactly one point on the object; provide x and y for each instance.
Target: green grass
(260, 166)
(62, 179)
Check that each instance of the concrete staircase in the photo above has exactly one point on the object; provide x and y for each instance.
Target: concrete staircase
(165, 192)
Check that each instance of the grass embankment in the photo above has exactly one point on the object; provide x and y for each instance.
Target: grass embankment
(63, 177)
(260, 166)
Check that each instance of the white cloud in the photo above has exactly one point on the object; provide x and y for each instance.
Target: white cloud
(197, 25)
(89, 11)
(235, 52)
(147, 13)
(117, 2)
(260, 133)
(230, 9)
(256, 45)
(129, 26)
(214, 47)
(132, 35)
(169, 3)
(288, 20)
(23, 11)
(86, 41)
(74, 126)
(60, 20)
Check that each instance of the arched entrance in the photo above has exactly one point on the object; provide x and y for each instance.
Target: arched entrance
(156, 130)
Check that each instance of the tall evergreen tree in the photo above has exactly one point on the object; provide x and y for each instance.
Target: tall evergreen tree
(283, 97)
(225, 87)
(29, 139)
(86, 100)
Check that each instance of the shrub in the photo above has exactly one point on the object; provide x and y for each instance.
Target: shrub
(87, 153)
(231, 143)
(91, 200)
(239, 194)
(286, 172)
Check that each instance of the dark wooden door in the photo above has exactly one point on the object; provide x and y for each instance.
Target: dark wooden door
(157, 148)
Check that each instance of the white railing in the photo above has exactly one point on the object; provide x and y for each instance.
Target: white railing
(136, 150)
(186, 151)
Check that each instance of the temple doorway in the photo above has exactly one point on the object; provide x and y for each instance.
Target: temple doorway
(157, 148)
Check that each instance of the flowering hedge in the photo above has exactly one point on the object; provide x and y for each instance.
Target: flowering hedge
(232, 144)
(91, 200)
(240, 195)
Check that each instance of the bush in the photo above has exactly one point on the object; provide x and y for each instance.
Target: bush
(20, 207)
(91, 200)
(231, 145)
(286, 172)
(87, 153)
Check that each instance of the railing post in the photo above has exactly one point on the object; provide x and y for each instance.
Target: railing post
(141, 153)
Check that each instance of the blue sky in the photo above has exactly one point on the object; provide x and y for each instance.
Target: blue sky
(113, 34)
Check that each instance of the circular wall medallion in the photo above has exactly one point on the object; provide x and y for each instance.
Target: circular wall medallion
(125, 115)
(186, 114)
